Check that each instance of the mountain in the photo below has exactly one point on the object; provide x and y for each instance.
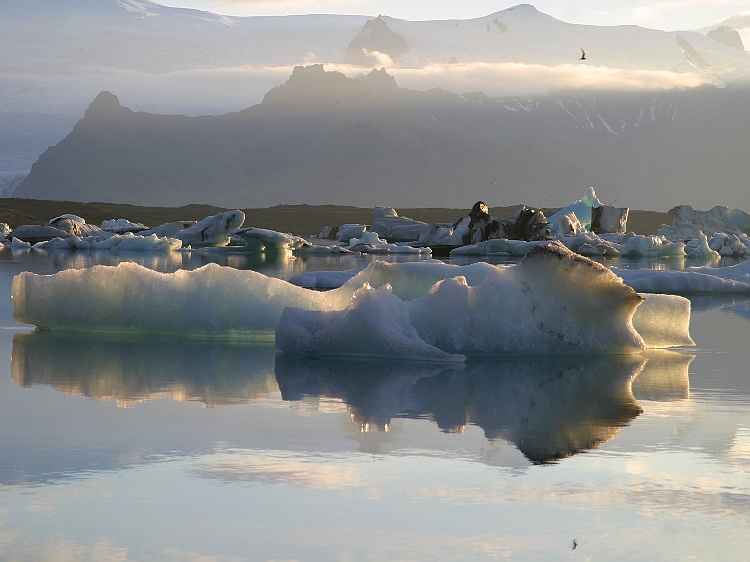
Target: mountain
(144, 36)
(57, 56)
(322, 137)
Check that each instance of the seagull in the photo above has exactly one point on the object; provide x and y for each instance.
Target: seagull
(583, 55)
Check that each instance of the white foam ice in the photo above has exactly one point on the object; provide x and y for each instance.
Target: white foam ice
(553, 301)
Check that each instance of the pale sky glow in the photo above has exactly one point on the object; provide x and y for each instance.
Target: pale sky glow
(668, 15)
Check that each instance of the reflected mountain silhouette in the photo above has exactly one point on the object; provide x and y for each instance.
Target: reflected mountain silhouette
(549, 409)
(132, 370)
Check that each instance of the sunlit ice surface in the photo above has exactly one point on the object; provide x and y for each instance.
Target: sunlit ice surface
(140, 447)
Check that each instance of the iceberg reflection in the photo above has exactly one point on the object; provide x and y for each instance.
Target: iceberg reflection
(132, 370)
(549, 409)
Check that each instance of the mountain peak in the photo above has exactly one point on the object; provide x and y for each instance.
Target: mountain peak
(105, 104)
(376, 37)
(379, 80)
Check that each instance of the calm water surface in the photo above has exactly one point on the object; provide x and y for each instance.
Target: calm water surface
(136, 449)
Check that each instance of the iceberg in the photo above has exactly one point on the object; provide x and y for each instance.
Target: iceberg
(581, 209)
(690, 281)
(269, 241)
(687, 222)
(212, 231)
(554, 301)
(71, 232)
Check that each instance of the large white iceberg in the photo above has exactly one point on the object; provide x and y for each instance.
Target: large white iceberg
(553, 301)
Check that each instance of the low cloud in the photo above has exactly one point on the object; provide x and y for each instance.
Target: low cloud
(381, 59)
(217, 91)
(503, 79)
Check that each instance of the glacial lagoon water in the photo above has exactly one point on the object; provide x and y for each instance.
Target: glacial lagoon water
(135, 449)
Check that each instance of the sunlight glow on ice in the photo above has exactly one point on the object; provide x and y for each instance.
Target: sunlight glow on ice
(553, 301)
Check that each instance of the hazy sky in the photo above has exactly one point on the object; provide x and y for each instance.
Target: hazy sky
(661, 14)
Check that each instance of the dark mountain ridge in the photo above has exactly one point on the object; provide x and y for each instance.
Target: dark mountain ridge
(324, 138)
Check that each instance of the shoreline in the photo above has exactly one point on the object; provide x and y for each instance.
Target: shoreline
(301, 220)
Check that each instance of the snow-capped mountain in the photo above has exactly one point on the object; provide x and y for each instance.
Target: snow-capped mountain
(324, 138)
(142, 35)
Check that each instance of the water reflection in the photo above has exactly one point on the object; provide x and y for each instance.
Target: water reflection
(132, 370)
(549, 409)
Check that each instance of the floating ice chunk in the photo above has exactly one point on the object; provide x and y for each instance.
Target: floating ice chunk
(375, 324)
(686, 222)
(36, 233)
(387, 224)
(581, 209)
(498, 246)
(693, 280)
(606, 218)
(553, 301)
(261, 239)
(130, 298)
(76, 226)
(18, 243)
(663, 321)
(321, 249)
(121, 226)
(212, 231)
(371, 243)
(568, 224)
(323, 279)
(68, 217)
(121, 242)
(348, 231)
(700, 248)
(168, 229)
(411, 280)
(367, 237)
(640, 245)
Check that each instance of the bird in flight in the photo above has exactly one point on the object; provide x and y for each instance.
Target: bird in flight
(583, 55)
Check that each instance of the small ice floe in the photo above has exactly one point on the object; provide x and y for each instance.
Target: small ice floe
(389, 225)
(269, 241)
(121, 226)
(120, 242)
(212, 231)
(690, 281)
(348, 231)
(371, 243)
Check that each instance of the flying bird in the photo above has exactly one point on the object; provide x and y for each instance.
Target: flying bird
(583, 55)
